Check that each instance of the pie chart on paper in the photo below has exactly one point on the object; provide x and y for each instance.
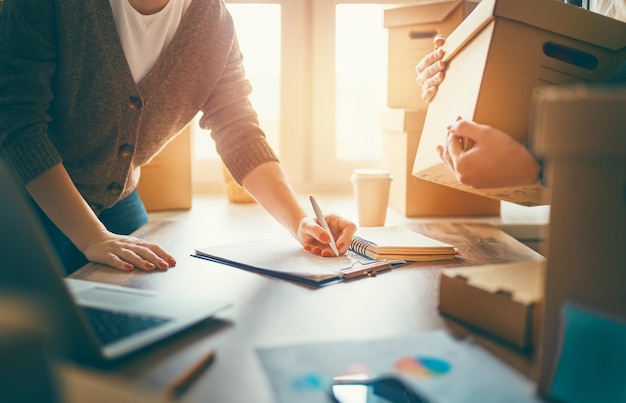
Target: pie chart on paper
(422, 367)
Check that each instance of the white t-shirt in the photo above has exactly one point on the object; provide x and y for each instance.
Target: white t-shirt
(144, 37)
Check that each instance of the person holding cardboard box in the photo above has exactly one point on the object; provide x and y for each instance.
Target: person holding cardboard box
(482, 156)
(92, 90)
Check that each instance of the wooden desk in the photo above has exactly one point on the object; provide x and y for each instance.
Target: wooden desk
(270, 312)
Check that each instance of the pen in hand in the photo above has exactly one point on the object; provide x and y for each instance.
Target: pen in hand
(322, 220)
(184, 380)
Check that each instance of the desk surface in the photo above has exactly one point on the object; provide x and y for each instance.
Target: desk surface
(271, 312)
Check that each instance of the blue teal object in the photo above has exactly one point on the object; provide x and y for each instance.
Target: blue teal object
(592, 364)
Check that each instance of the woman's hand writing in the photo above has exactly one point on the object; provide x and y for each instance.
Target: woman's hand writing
(315, 239)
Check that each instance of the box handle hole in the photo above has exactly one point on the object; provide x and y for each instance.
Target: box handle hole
(570, 55)
(421, 35)
(504, 293)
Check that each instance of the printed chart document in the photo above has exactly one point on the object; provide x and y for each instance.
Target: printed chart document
(439, 367)
(288, 260)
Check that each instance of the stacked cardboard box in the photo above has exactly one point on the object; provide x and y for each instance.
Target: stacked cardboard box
(580, 133)
(411, 32)
(165, 182)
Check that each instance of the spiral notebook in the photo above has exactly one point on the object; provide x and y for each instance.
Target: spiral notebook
(399, 243)
(288, 260)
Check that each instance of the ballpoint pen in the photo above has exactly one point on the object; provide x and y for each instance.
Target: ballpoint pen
(324, 224)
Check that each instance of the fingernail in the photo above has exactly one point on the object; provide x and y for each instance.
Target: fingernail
(163, 264)
(129, 266)
(149, 266)
(325, 237)
(172, 261)
(340, 245)
(307, 248)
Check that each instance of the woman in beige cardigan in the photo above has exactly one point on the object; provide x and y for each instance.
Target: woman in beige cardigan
(91, 90)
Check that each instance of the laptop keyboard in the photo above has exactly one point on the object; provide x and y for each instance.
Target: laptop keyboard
(111, 326)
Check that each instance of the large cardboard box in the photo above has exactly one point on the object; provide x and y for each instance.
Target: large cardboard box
(580, 133)
(415, 197)
(497, 56)
(165, 182)
(503, 300)
(411, 30)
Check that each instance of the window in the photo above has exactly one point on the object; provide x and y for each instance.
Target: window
(318, 72)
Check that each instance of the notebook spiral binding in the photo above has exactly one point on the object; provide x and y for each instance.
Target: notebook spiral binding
(359, 245)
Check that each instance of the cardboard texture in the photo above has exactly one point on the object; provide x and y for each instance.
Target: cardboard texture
(579, 131)
(497, 56)
(165, 182)
(415, 197)
(503, 300)
(411, 30)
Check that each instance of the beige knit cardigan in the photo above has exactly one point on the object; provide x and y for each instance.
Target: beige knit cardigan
(67, 95)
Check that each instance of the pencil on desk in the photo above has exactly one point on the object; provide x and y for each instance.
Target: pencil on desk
(184, 380)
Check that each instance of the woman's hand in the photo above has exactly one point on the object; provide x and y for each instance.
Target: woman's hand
(57, 196)
(315, 239)
(493, 160)
(127, 252)
(430, 70)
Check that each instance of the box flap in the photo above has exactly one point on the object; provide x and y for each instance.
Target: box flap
(555, 16)
(504, 300)
(521, 282)
(427, 12)
(580, 120)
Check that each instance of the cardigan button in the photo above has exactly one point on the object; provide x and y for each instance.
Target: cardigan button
(115, 188)
(125, 151)
(135, 103)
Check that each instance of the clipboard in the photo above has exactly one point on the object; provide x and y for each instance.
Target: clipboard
(288, 260)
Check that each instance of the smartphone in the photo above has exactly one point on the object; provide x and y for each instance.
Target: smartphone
(382, 389)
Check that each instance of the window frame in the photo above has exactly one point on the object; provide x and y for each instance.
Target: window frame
(307, 99)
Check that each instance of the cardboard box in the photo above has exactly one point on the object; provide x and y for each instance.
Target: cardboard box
(579, 131)
(165, 182)
(411, 30)
(497, 56)
(503, 300)
(415, 197)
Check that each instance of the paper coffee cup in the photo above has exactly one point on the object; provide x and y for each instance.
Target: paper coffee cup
(371, 191)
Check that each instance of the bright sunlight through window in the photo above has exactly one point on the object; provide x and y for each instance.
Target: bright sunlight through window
(361, 73)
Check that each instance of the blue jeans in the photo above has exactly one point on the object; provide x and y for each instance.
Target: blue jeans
(124, 217)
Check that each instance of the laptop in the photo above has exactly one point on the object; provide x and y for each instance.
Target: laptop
(90, 322)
